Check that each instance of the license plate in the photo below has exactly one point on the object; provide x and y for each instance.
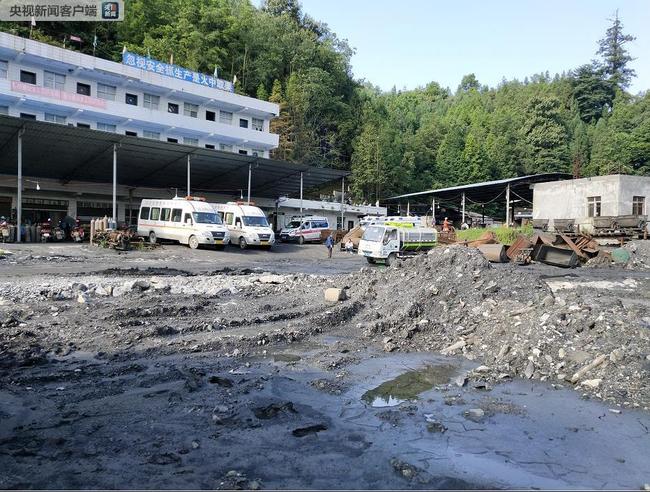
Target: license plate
(264, 242)
(218, 241)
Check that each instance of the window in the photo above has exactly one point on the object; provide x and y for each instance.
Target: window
(54, 80)
(320, 224)
(191, 110)
(258, 152)
(4, 68)
(229, 218)
(28, 77)
(55, 118)
(105, 127)
(5, 110)
(172, 140)
(27, 116)
(339, 222)
(150, 101)
(243, 123)
(130, 134)
(155, 213)
(225, 147)
(210, 116)
(593, 206)
(638, 205)
(188, 218)
(166, 212)
(152, 135)
(131, 99)
(191, 141)
(243, 151)
(258, 124)
(207, 146)
(106, 92)
(350, 224)
(83, 125)
(176, 214)
(144, 213)
(172, 108)
(83, 89)
(225, 117)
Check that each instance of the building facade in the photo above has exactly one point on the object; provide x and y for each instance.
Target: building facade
(584, 199)
(44, 82)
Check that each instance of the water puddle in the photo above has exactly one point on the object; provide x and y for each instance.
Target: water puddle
(409, 385)
(286, 358)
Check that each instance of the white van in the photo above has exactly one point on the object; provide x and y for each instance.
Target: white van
(247, 224)
(303, 229)
(187, 220)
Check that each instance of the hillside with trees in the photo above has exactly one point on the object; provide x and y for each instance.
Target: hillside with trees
(583, 122)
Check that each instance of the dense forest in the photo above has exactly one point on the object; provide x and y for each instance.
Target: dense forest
(583, 122)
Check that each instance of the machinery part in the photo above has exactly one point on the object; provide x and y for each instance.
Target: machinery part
(495, 253)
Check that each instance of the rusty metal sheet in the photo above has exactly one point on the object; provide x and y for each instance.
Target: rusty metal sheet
(573, 247)
(552, 255)
(522, 242)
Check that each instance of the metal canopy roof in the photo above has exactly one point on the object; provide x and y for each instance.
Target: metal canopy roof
(486, 191)
(68, 153)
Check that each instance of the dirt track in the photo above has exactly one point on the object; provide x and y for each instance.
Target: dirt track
(198, 369)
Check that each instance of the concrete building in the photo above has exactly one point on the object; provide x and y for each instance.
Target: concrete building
(584, 199)
(140, 97)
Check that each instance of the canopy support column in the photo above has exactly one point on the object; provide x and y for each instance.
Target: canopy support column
(342, 202)
(408, 209)
(115, 184)
(19, 191)
(508, 206)
(250, 172)
(189, 165)
(433, 211)
(301, 193)
(463, 203)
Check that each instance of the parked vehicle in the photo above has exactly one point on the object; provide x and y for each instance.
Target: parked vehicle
(304, 229)
(77, 233)
(188, 220)
(388, 242)
(246, 223)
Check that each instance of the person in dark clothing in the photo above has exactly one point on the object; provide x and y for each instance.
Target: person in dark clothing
(329, 244)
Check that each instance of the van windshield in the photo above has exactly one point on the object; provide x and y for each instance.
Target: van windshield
(294, 224)
(373, 233)
(255, 221)
(206, 218)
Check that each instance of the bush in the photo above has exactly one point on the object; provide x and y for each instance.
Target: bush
(505, 235)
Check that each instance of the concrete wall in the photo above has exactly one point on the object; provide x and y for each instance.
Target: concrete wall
(568, 199)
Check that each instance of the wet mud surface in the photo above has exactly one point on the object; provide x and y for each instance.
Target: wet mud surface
(194, 375)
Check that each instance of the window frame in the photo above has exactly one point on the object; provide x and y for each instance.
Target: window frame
(81, 87)
(191, 141)
(107, 95)
(165, 214)
(227, 120)
(106, 127)
(4, 69)
(257, 128)
(243, 123)
(171, 105)
(56, 84)
(54, 118)
(191, 110)
(210, 115)
(143, 215)
(638, 201)
(149, 134)
(177, 213)
(130, 96)
(155, 213)
(150, 104)
(594, 206)
(28, 73)
(225, 147)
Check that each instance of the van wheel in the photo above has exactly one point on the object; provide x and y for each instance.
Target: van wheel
(390, 259)
(370, 260)
(301, 240)
(152, 237)
(193, 242)
(242, 243)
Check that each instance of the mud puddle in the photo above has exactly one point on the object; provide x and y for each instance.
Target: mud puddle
(409, 385)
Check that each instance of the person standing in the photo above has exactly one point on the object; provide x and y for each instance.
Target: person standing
(329, 244)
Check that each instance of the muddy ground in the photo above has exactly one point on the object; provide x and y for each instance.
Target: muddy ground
(204, 369)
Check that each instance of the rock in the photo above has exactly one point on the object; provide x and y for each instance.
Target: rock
(454, 346)
(592, 383)
(616, 355)
(482, 369)
(474, 414)
(578, 356)
(195, 445)
(561, 353)
(460, 381)
(82, 298)
(271, 279)
(595, 363)
(103, 291)
(141, 285)
(79, 286)
(120, 290)
(530, 369)
(389, 345)
(335, 295)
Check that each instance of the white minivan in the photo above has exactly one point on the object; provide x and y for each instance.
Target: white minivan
(189, 221)
(304, 229)
(246, 223)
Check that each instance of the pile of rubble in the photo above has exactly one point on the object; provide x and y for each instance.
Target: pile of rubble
(511, 322)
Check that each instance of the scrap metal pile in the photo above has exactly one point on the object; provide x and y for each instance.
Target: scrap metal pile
(121, 240)
(558, 249)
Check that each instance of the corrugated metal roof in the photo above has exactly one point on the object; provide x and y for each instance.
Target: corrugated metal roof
(64, 153)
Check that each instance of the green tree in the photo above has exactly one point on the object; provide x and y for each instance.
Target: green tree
(546, 135)
(592, 92)
(615, 55)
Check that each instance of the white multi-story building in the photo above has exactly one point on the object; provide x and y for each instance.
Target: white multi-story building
(139, 97)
